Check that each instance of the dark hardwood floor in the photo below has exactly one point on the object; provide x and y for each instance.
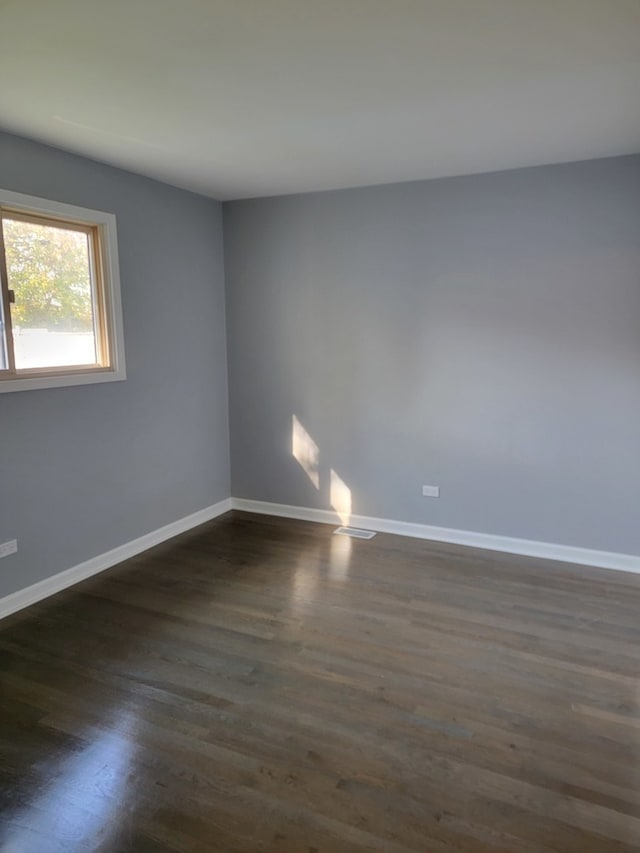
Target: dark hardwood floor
(260, 684)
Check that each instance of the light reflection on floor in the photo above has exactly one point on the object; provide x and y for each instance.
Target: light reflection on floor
(85, 803)
(304, 582)
(340, 557)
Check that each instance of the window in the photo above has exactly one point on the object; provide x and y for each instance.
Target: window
(60, 313)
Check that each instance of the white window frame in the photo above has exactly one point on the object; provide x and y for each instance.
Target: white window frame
(108, 239)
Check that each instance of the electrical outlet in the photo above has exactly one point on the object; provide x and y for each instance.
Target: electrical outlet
(8, 548)
(431, 491)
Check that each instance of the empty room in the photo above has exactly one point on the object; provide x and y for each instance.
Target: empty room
(320, 423)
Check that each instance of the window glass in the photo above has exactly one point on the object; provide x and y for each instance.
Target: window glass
(49, 271)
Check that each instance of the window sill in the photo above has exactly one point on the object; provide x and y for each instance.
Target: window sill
(60, 380)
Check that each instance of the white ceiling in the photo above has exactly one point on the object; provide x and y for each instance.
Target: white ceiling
(238, 98)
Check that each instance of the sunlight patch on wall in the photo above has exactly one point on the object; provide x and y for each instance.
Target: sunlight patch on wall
(305, 451)
(340, 498)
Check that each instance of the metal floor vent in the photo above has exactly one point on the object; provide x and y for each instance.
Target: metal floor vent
(356, 532)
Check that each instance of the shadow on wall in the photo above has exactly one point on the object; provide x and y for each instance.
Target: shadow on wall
(307, 454)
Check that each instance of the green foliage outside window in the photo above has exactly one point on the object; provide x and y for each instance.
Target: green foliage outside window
(48, 270)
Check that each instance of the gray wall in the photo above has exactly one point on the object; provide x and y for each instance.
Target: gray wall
(88, 468)
(478, 333)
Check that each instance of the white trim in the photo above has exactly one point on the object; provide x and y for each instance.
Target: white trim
(490, 542)
(43, 589)
(524, 547)
(106, 223)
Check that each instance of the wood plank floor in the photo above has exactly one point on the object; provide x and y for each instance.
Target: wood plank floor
(262, 685)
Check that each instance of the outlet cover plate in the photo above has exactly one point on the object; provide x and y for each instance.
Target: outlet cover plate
(8, 548)
(431, 491)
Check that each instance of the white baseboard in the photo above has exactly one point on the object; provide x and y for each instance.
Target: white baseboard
(524, 547)
(508, 544)
(49, 586)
